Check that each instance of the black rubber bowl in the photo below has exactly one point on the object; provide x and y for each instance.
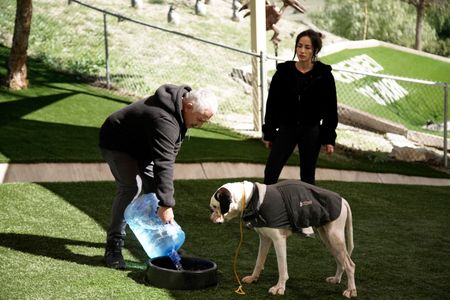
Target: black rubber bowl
(197, 273)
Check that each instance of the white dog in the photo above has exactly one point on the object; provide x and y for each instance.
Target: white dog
(276, 210)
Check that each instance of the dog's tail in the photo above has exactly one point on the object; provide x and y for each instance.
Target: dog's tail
(348, 227)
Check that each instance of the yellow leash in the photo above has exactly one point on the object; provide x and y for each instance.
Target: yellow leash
(239, 290)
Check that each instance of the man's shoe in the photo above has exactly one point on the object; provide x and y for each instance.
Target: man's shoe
(113, 255)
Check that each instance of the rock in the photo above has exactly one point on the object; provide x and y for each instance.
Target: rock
(353, 117)
(415, 155)
(399, 140)
(427, 139)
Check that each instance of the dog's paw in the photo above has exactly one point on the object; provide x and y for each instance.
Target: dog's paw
(249, 279)
(333, 280)
(349, 293)
(277, 290)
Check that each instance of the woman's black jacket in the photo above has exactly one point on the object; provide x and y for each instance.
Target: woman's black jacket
(297, 99)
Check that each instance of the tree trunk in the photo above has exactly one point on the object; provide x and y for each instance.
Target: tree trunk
(17, 65)
(420, 8)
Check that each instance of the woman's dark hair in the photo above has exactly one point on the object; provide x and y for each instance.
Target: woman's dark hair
(316, 40)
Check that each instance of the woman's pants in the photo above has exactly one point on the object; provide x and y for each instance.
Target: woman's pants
(308, 141)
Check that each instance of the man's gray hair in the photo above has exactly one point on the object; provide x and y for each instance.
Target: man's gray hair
(203, 100)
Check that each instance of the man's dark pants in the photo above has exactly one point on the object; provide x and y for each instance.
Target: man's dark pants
(131, 177)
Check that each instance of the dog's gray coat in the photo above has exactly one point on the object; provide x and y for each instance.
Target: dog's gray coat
(293, 204)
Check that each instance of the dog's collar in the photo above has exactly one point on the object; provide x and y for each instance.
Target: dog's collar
(262, 193)
(251, 213)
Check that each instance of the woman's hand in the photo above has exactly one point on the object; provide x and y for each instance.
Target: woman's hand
(267, 144)
(329, 149)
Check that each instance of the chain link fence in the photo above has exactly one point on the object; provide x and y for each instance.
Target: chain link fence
(403, 117)
(134, 57)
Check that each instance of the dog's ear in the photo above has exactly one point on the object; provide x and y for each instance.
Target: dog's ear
(223, 195)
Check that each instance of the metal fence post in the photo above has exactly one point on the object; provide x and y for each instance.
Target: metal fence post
(445, 123)
(263, 76)
(105, 33)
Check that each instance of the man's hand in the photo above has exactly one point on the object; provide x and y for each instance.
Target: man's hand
(166, 214)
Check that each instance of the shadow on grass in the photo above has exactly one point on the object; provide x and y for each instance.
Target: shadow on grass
(14, 110)
(56, 248)
(27, 141)
(94, 199)
(59, 248)
(35, 141)
(38, 141)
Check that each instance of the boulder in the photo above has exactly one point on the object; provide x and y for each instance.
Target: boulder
(410, 154)
(354, 117)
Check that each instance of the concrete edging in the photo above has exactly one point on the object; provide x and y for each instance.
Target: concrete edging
(73, 172)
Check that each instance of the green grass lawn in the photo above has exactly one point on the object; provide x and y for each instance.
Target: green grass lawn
(422, 103)
(394, 61)
(52, 238)
(57, 120)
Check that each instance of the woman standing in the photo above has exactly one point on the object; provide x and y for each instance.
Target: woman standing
(301, 110)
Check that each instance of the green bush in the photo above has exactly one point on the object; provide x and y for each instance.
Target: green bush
(389, 21)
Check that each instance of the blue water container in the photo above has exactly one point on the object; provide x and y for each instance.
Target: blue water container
(156, 238)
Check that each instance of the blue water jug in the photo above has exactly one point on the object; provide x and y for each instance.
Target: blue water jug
(156, 238)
